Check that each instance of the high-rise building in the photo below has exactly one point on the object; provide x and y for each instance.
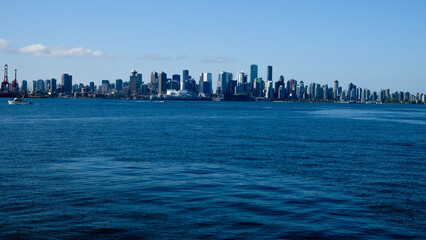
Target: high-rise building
(139, 81)
(40, 86)
(133, 83)
(154, 82)
(105, 86)
(253, 72)
(184, 80)
(33, 86)
(48, 85)
(269, 90)
(119, 84)
(241, 83)
(175, 82)
(335, 90)
(92, 86)
(66, 83)
(269, 73)
(24, 86)
(53, 84)
(162, 83)
(206, 77)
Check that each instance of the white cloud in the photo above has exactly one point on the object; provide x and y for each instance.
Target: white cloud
(4, 45)
(48, 51)
(159, 57)
(217, 60)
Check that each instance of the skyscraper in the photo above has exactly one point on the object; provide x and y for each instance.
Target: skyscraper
(335, 89)
(24, 86)
(105, 86)
(184, 80)
(253, 72)
(162, 83)
(269, 73)
(119, 84)
(154, 82)
(66, 83)
(133, 83)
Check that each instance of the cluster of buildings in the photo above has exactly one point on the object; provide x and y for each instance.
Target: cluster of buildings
(242, 86)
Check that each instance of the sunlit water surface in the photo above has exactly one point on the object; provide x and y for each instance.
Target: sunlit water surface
(138, 169)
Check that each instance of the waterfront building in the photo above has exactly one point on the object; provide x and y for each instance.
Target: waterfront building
(269, 94)
(24, 85)
(253, 72)
(47, 84)
(66, 82)
(335, 89)
(184, 80)
(133, 82)
(40, 86)
(175, 84)
(53, 84)
(278, 84)
(105, 86)
(139, 81)
(241, 83)
(223, 83)
(154, 82)
(92, 86)
(258, 86)
(269, 73)
(162, 83)
(119, 84)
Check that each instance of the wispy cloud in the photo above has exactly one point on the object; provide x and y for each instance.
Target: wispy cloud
(55, 51)
(156, 57)
(159, 57)
(217, 60)
(4, 45)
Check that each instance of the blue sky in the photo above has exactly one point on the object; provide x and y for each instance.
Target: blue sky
(374, 44)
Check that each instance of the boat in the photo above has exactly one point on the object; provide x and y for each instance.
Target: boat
(19, 101)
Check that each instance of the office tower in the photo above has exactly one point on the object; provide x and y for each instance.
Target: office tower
(175, 83)
(162, 83)
(92, 86)
(119, 84)
(258, 86)
(53, 84)
(241, 83)
(139, 80)
(105, 86)
(269, 90)
(47, 84)
(253, 72)
(133, 82)
(24, 86)
(278, 84)
(40, 86)
(154, 81)
(184, 80)
(33, 86)
(335, 90)
(223, 83)
(206, 77)
(66, 83)
(269, 73)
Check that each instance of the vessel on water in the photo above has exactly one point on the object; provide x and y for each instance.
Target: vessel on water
(19, 101)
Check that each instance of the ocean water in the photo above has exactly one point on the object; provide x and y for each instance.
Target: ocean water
(81, 168)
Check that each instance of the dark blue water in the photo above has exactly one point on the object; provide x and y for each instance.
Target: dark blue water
(126, 169)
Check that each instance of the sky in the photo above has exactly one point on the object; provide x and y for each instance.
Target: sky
(375, 44)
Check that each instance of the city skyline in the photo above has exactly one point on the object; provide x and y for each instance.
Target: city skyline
(376, 44)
